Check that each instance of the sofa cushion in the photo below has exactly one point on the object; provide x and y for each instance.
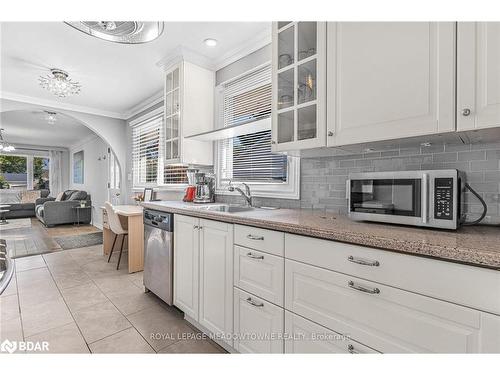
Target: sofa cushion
(8, 196)
(30, 196)
(60, 196)
(79, 195)
(67, 194)
(21, 207)
(44, 193)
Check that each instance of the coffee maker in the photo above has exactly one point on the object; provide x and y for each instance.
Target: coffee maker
(190, 192)
(205, 188)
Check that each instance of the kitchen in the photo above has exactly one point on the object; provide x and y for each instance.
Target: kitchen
(325, 187)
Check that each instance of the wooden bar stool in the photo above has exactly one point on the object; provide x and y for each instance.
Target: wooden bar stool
(116, 227)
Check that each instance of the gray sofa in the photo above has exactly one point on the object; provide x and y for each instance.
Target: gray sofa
(21, 210)
(52, 213)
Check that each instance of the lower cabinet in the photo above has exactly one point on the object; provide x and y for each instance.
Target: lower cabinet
(258, 324)
(304, 336)
(387, 319)
(216, 278)
(203, 273)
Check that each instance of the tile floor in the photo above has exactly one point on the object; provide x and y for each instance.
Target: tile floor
(79, 303)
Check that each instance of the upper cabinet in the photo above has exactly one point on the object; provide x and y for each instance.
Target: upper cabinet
(299, 85)
(389, 80)
(478, 75)
(189, 109)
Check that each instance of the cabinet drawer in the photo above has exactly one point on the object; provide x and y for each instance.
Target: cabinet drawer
(384, 318)
(311, 338)
(448, 281)
(265, 240)
(258, 324)
(259, 273)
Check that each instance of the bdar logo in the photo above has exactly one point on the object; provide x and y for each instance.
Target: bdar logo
(8, 346)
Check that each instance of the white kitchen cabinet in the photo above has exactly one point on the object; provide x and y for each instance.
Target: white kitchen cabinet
(186, 264)
(259, 273)
(216, 278)
(258, 324)
(387, 319)
(189, 109)
(389, 80)
(203, 273)
(304, 336)
(299, 85)
(478, 75)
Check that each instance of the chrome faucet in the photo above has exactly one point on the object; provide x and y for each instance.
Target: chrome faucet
(247, 194)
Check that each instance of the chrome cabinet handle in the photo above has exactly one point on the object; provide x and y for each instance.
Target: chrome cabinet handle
(330, 133)
(364, 262)
(254, 237)
(350, 349)
(250, 255)
(466, 112)
(253, 303)
(196, 227)
(361, 288)
(200, 227)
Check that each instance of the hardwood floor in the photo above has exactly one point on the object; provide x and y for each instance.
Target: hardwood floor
(38, 239)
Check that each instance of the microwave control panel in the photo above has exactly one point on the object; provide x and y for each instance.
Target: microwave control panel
(443, 198)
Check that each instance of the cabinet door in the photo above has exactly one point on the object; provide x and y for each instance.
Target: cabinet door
(186, 259)
(478, 75)
(304, 336)
(216, 278)
(299, 85)
(387, 319)
(258, 324)
(389, 80)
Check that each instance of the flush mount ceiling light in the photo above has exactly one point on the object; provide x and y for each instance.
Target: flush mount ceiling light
(59, 84)
(51, 117)
(210, 42)
(127, 32)
(4, 146)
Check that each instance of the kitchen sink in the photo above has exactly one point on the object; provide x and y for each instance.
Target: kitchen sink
(229, 208)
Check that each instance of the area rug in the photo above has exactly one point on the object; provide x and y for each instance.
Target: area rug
(16, 224)
(81, 240)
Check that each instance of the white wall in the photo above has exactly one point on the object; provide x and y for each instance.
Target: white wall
(95, 177)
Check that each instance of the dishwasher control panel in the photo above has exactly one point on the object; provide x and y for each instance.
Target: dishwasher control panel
(161, 220)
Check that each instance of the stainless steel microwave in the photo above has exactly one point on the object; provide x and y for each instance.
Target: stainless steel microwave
(430, 198)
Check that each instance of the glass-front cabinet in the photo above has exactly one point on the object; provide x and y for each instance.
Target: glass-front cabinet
(299, 85)
(172, 113)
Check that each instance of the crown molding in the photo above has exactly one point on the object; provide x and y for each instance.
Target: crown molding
(57, 105)
(260, 40)
(145, 104)
(181, 53)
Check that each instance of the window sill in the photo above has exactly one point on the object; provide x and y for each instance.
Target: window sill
(263, 194)
(162, 188)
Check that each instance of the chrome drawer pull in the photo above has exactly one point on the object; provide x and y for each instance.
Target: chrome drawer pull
(362, 288)
(250, 255)
(256, 238)
(364, 262)
(251, 302)
(350, 349)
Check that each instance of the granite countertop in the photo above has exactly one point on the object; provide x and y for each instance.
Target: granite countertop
(475, 245)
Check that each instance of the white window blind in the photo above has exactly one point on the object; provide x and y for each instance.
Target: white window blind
(146, 137)
(248, 158)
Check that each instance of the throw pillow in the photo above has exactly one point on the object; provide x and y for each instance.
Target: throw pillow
(30, 196)
(60, 196)
(79, 195)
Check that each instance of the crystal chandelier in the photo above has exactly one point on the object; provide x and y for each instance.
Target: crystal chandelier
(4, 146)
(51, 117)
(59, 84)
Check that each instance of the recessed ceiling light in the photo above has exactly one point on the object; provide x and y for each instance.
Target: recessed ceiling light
(210, 42)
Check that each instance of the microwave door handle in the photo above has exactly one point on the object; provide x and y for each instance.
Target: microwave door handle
(425, 197)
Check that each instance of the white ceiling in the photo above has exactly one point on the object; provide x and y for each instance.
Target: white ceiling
(32, 128)
(114, 77)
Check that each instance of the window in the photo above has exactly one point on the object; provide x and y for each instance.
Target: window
(248, 157)
(148, 148)
(24, 172)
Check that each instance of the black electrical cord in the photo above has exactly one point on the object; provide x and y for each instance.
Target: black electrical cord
(485, 208)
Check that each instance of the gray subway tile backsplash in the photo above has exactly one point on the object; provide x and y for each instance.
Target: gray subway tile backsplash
(323, 178)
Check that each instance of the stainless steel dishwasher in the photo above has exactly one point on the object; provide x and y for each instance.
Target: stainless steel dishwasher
(158, 254)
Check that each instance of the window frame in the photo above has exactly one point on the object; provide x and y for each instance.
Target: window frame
(287, 190)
